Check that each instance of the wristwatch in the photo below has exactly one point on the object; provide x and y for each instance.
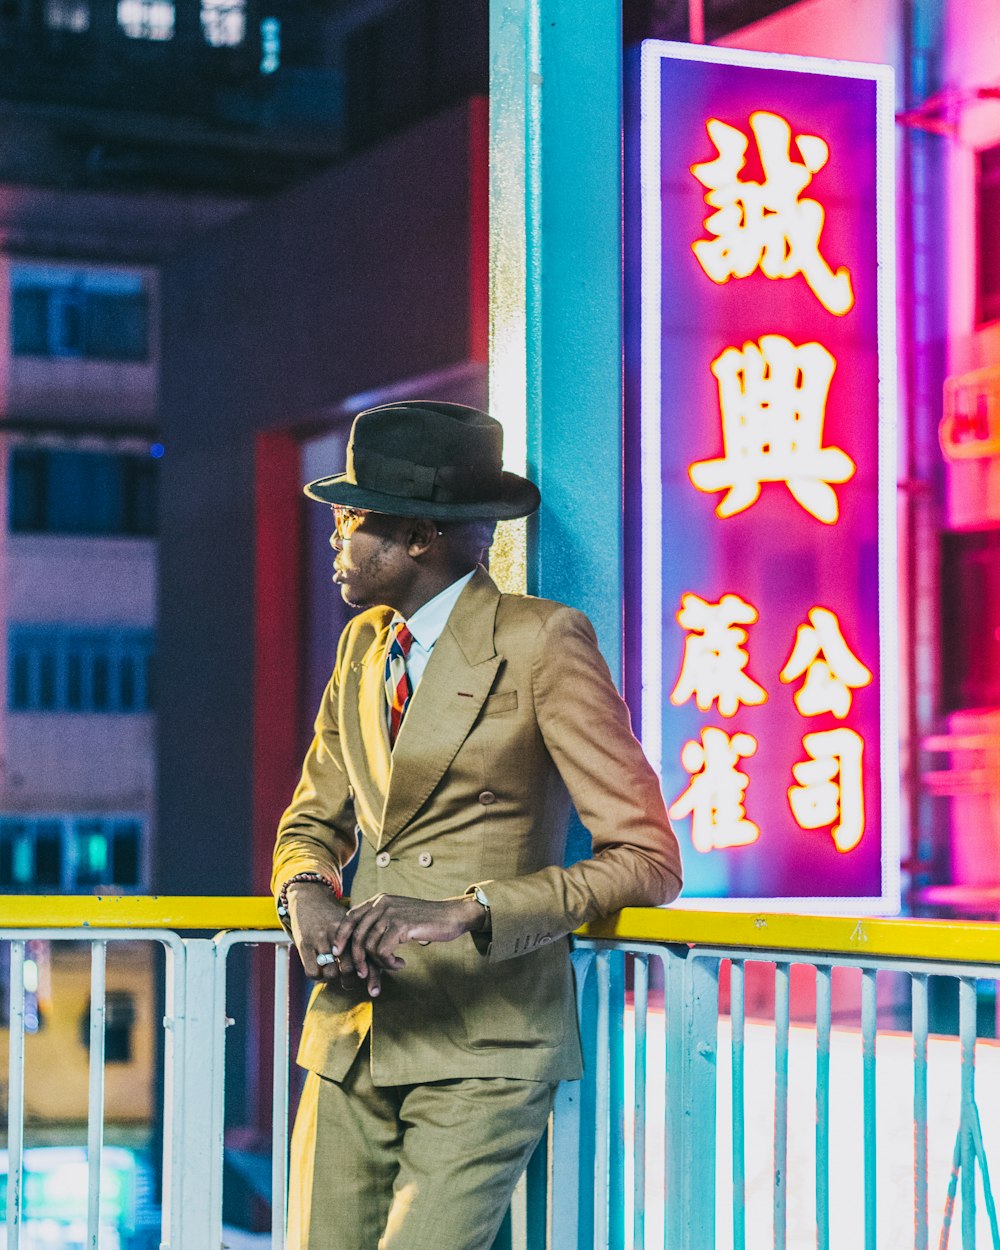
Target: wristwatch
(482, 900)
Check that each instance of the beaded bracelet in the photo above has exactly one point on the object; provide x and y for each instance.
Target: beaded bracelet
(316, 877)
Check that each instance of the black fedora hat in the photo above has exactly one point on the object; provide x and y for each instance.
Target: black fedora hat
(426, 459)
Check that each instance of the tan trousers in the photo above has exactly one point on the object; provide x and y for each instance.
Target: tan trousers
(409, 1167)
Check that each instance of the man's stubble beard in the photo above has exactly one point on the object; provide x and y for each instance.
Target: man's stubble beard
(369, 571)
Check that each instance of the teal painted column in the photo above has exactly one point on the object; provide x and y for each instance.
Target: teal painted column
(555, 299)
(556, 380)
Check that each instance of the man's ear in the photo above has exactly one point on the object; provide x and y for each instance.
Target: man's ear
(423, 534)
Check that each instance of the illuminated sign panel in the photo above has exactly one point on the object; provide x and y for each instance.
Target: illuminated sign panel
(759, 272)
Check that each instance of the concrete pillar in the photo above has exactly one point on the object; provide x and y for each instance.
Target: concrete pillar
(555, 294)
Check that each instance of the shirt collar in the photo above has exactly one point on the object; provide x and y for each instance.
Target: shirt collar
(428, 622)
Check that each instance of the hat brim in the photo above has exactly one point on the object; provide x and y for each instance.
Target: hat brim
(518, 498)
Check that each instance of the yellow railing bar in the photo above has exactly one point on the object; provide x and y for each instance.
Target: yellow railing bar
(961, 941)
(130, 911)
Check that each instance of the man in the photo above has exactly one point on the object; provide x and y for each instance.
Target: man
(459, 725)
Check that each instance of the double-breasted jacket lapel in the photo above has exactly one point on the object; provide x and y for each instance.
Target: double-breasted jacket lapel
(366, 733)
(459, 675)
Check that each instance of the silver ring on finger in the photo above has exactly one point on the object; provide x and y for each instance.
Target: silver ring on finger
(327, 957)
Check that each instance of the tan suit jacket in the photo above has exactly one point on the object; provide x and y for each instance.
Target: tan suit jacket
(515, 718)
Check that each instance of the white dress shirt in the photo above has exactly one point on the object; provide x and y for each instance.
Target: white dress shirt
(427, 625)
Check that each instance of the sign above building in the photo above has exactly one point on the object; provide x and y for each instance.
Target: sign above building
(970, 427)
(759, 272)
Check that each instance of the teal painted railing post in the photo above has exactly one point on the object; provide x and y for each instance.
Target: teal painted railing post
(691, 995)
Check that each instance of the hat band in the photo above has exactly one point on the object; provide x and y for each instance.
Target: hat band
(446, 484)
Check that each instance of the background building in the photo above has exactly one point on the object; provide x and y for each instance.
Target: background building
(110, 158)
(326, 302)
(129, 130)
(948, 280)
(78, 613)
(227, 225)
(384, 326)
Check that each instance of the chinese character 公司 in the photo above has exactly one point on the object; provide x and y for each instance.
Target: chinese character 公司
(714, 797)
(830, 788)
(714, 658)
(767, 224)
(831, 669)
(772, 400)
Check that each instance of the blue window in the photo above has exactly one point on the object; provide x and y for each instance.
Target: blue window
(95, 316)
(270, 45)
(66, 852)
(82, 492)
(65, 668)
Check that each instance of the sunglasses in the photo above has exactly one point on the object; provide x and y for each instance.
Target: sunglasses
(347, 520)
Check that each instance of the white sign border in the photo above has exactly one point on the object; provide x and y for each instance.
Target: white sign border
(653, 53)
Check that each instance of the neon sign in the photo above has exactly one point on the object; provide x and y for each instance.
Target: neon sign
(830, 669)
(772, 400)
(767, 224)
(762, 364)
(830, 788)
(714, 657)
(715, 796)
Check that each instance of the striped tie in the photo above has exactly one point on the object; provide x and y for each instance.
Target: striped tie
(397, 681)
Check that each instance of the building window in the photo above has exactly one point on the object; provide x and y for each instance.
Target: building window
(987, 252)
(119, 1019)
(82, 492)
(970, 619)
(96, 316)
(65, 853)
(224, 22)
(71, 15)
(146, 19)
(63, 668)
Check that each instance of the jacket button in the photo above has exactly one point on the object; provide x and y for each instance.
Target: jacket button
(544, 940)
(382, 859)
(425, 859)
(487, 797)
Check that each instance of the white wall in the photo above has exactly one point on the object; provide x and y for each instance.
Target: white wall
(76, 762)
(847, 30)
(85, 581)
(105, 391)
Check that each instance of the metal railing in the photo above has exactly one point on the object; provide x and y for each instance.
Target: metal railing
(714, 1067)
(195, 1023)
(724, 1106)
